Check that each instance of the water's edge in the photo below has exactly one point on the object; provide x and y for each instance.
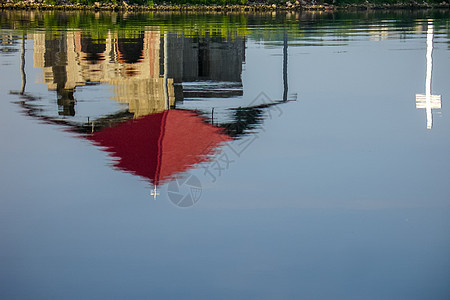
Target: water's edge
(242, 8)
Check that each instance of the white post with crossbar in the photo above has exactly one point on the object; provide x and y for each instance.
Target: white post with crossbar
(429, 101)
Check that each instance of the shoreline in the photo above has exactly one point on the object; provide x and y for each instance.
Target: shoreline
(297, 6)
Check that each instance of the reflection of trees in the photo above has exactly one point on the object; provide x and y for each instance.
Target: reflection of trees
(246, 120)
(299, 24)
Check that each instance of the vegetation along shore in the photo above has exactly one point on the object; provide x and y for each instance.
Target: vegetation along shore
(219, 5)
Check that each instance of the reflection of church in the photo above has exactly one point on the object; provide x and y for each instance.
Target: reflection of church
(148, 71)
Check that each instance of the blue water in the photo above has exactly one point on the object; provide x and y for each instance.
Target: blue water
(331, 185)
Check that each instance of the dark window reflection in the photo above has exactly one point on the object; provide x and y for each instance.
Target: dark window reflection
(94, 48)
(130, 49)
(203, 59)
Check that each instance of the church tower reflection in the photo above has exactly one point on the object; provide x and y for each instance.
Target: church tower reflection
(427, 100)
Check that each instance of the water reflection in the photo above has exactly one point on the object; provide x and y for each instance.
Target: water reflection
(146, 69)
(154, 74)
(330, 194)
(160, 145)
(8, 42)
(427, 100)
(151, 73)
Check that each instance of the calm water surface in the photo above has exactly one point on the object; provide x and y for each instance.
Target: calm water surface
(271, 156)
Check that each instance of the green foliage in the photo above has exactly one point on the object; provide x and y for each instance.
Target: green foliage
(239, 2)
(152, 2)
(203, 2)
(90, 2)
(381, 2)
(139, 2)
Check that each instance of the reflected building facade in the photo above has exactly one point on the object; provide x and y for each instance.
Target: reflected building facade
(148, 71)
(131, 65)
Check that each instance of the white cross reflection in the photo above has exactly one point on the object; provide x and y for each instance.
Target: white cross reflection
(154, 192)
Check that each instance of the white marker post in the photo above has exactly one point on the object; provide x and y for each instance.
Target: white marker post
(429, 101)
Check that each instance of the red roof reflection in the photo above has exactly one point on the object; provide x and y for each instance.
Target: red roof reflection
(162, 145)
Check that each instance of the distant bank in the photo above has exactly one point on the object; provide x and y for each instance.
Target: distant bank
(219, 5)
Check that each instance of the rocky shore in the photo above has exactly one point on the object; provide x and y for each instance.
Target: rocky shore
(250, 7)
